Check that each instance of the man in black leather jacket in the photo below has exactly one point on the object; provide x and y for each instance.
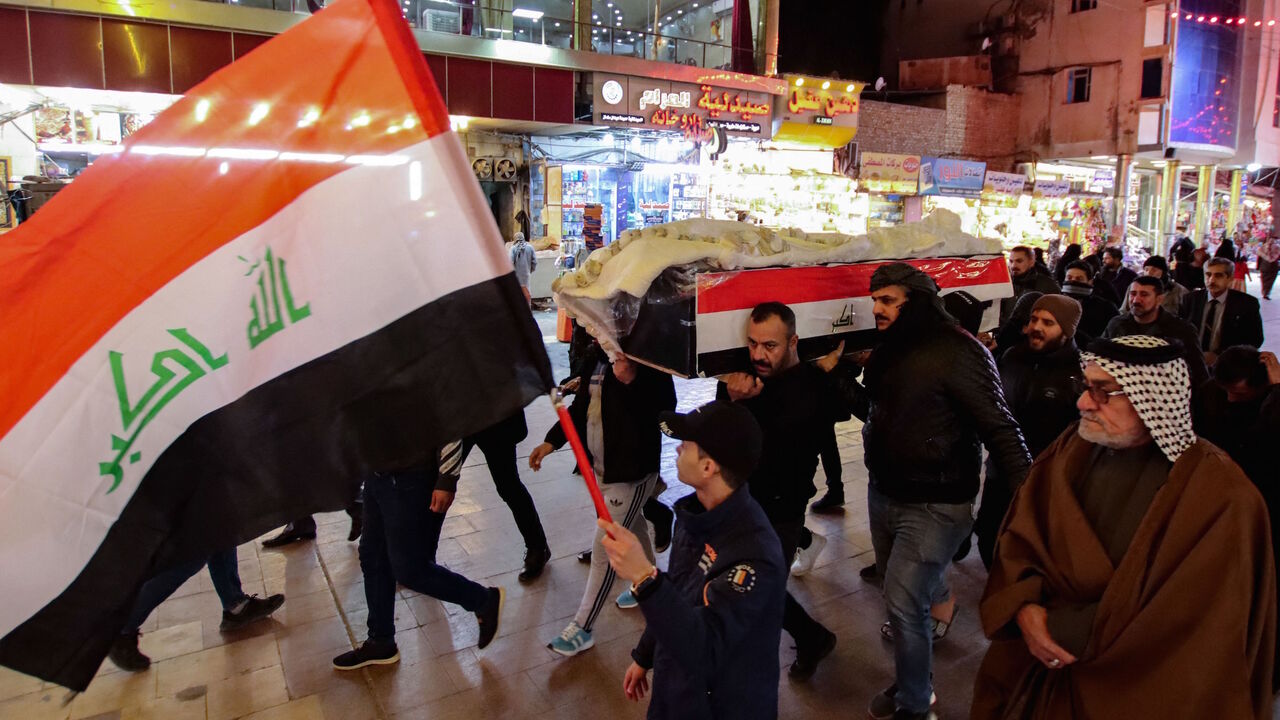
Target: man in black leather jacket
(932, 398)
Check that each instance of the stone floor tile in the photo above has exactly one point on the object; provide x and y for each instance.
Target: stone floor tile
(402, 687)
(15, 684)
(247, 693)
(217, 663)
(307, 708)
(167, 708)
(47, 704)
(113, 692)
(177, 640)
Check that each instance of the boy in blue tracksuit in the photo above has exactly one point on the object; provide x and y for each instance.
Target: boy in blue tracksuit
(714, 619)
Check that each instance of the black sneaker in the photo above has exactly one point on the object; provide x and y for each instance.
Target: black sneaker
(534, 562)
(883, 706)
(870, 574)
(255, 609)
(807, 658)
(489, 616)
(370, 653)
(288, 536)
(662, 518)
(832, 502)
(584, 556)
(126, 655)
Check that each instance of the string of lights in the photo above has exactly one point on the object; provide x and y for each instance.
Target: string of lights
(1241, 21)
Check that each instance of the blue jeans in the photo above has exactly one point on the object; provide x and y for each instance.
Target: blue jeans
(399, 544)
(914, 544)
(223, 570)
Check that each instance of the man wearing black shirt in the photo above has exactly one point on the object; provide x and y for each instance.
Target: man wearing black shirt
(794, 404)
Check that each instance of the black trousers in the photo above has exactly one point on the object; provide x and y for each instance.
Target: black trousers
(996, 498)
(500, 454)
(795, 620)
(831, 467)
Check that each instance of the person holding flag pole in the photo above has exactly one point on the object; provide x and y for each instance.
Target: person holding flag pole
(714, 619)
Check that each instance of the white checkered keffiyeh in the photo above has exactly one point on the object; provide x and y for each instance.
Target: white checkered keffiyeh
(1159, 391)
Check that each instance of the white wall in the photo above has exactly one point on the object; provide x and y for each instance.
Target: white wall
(14, 144)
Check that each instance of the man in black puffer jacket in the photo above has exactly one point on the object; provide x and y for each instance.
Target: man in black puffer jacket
(1040, 376)
(932, 398)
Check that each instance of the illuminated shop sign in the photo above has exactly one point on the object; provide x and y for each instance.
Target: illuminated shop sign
(819, 112)
(828, 104)
(888, 173)
(693, 110)
(949, 176)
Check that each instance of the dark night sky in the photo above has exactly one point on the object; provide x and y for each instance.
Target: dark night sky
(821, 37)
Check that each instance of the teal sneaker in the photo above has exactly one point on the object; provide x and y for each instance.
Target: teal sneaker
(626, 600)
(571, 641)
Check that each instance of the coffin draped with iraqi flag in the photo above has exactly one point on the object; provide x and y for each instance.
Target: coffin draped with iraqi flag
(288, 280)
(678, 296)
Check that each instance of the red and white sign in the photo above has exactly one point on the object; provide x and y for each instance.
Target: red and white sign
(829, 299)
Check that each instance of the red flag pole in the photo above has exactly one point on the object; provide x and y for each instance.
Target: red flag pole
(580, 453)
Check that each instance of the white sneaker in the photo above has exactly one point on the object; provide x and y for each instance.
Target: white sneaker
(806, 557)
(571, 641)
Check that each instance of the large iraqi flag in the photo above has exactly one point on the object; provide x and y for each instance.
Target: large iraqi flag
(288, 280)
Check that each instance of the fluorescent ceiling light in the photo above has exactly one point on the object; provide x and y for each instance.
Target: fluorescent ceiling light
(527, 13)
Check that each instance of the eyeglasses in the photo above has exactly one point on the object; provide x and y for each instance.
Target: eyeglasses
(1100, 396)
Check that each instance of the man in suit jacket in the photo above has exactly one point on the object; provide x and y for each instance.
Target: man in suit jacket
(1221, 316)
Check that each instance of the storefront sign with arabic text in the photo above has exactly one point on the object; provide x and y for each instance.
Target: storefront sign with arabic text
(949, 176)
(690, 109)
(890, 174)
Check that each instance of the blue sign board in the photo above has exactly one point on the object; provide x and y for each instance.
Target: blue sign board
(949, 176)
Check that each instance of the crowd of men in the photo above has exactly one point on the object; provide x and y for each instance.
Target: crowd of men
(1123, 514)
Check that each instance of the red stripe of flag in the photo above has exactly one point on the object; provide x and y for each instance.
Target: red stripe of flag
(742, 290)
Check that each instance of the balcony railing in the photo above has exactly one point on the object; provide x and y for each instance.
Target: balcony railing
(460, 18)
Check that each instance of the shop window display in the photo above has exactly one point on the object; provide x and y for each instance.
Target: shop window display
(630, 197)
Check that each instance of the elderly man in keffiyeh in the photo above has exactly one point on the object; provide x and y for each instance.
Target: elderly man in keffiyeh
(1133, 575)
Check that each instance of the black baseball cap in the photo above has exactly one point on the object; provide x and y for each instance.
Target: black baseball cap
(726, 431)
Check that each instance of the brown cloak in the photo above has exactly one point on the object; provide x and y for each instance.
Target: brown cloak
(1185, 626)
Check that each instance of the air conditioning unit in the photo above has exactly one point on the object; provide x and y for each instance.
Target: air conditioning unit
(445, 21)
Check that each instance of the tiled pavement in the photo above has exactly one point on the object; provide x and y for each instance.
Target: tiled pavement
(279, 670)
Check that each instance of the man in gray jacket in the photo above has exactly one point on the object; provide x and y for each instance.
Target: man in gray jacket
(525, 261)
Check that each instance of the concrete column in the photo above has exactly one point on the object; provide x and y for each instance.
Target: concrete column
(1170, 191)
(1120, 195)
(1233, 212)
(1204, 198)
(769, 63)
(582, 25)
